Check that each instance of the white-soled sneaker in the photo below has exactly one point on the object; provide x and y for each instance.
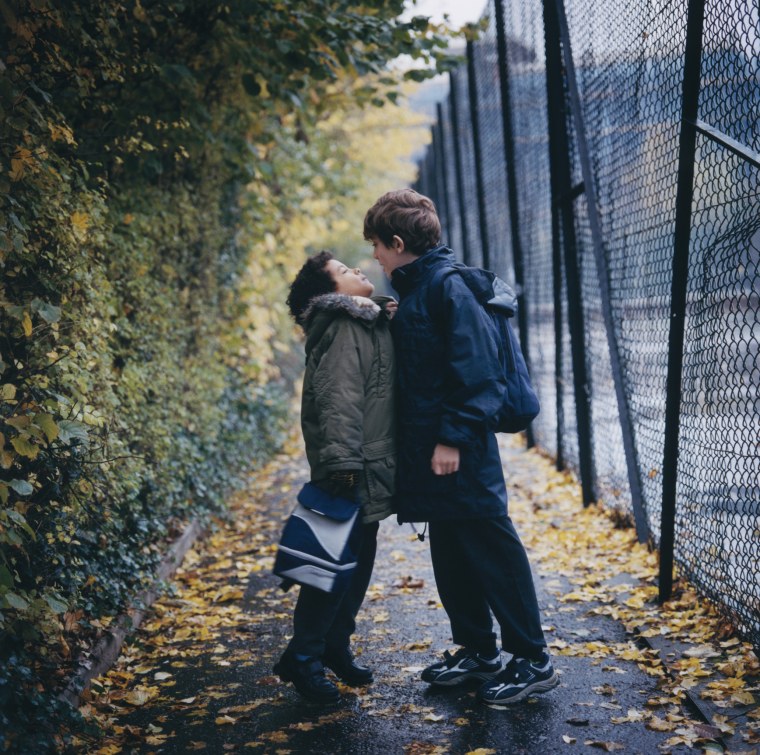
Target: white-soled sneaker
(461, 666)
(521, 678)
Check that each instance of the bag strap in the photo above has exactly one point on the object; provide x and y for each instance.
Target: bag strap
(435, 288)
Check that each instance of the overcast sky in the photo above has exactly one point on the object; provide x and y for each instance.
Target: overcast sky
(460, 11)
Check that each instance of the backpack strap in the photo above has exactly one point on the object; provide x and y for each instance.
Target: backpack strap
(480, 285)
(435, 289)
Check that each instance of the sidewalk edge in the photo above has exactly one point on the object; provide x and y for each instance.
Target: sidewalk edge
(104, 653)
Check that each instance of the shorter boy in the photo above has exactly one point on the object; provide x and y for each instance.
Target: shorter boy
(348, 421)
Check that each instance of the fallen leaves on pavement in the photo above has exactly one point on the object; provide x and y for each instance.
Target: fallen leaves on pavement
(224, 618)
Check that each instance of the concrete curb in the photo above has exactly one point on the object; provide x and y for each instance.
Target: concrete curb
(101, 657)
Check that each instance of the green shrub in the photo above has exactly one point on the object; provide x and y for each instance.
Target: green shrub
(161, 171)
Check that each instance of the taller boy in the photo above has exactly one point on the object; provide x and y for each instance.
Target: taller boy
(450, 386)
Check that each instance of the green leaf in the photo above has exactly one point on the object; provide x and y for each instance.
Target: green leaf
(69, 430)
(19, 519)
(47, 311)
(25, 448)
(22, 487)
(6, 578)
(56, 603)
(16, 601)
(46, 423)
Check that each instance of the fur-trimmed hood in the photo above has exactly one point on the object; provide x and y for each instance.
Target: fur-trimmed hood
(323, 310)
(358, 307)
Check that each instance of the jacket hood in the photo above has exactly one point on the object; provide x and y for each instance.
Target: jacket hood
(358, 307)
(323, 310)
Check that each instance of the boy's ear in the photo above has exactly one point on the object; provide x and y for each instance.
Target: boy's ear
(398, 244)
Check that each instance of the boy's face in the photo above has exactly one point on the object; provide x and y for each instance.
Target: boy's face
(390, 257)
(349, 281)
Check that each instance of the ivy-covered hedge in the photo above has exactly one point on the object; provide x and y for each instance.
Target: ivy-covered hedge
(161, 170)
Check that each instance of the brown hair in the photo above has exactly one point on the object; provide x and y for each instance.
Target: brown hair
(407, 214)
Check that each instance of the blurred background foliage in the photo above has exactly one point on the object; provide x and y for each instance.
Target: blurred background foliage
(165, 166)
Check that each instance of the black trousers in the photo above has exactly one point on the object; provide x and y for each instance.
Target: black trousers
(322, 620)
(480, 566)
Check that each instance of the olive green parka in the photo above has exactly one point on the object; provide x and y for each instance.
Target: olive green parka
(348, 412)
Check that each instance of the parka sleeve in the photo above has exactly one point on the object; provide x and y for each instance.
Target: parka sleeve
(474, 371)
(339, 396)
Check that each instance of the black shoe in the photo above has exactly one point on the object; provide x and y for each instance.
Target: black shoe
(341, 662)
(461, 667)
(521, 678)
(308, 678)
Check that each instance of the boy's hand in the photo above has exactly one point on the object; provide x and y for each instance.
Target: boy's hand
(391, 308)
(445, 460)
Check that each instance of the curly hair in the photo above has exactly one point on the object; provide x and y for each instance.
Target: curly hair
(312, 280)
(407, 214)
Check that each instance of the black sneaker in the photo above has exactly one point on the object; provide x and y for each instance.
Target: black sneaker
(458, 668)
(343, 665)
(521, 678)
(308, 678)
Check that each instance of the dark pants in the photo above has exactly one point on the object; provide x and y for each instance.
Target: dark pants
(480, 566)
(322, 620)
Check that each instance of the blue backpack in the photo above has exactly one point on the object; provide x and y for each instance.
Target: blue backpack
(520, 405)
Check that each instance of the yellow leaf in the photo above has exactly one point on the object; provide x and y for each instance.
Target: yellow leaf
(61, 133)
(47, 424)
(657, 724)
(225, 720)
(434, 717)
(141, 695)
(21, 159)
(25, 448)
(744, 698)
(606, 746)
(26, 324)
(80, 221)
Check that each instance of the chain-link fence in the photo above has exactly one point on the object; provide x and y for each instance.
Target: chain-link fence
(605, 159)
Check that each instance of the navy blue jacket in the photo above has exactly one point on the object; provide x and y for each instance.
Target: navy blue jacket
(450, 385)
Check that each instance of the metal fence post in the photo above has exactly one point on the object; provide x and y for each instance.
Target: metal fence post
(431, 171)
(562, 198)
(679, 283)
(445, 205)
(512, 198)
(589, 188)
(458, 168)
(472, 91)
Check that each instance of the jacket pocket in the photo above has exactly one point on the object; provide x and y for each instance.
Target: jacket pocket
(380, 467)
(416, 475)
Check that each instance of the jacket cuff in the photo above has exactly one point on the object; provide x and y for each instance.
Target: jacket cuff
(457, 436)
(344, 466)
